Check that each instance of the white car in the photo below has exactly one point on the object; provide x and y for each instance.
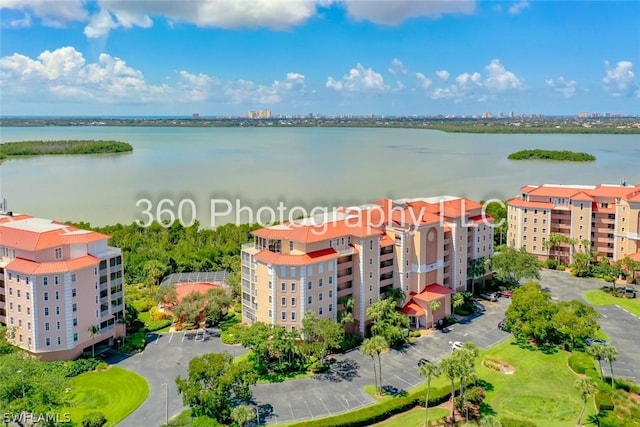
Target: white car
(455, 345)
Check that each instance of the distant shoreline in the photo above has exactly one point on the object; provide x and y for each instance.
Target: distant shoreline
(557, 125)
(61, 147)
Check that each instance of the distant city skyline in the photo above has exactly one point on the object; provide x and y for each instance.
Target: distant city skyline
(329, 57)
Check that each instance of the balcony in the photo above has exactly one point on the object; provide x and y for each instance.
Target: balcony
(3, 304)
(386, 250)
(344, 259)
(345, 272)
(117, 295)
(345, 292)
(346, 285)
(104, 313)
(117, 308)
(385, 282)
(345, 279)
(386, 270)
(386, 257)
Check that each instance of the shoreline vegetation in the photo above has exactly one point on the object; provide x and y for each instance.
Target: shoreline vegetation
(42, 148)
(527, 125)
(564, 155)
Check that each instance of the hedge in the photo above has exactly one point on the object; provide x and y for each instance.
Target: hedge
(514, 422)
(580, 362)
(604, 402)
(156, 325)
(381, 411)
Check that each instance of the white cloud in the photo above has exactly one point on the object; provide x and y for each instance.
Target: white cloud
(397, 67)
(619, 80)
(442, 74)
(51, 13)
(499, 78)
(394, 12)
(24, 22)
(425, 82)
(273, 14)
(518, 7)
(466, 80)
(63, 74)
(359, 79)
(561, 85)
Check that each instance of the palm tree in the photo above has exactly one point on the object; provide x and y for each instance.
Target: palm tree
(477, 268)
(433, 307)
(586, 387)
(396, 294)
(449, 367)
(466, 370)
(610, 354)
(93, 331)
(242, 414)
(368, 347)
(597, 352)
(457, 300)
(429, 371)
(380, 344)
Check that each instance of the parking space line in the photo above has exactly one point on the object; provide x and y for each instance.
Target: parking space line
(308, 408)
(171, 336)
(345, 399)
(291, 409)
(404, 381)
(157, 338)
(325, 406)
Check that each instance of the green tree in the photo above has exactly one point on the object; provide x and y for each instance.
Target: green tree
(387, 321)
(575, 320)
(93, 331)
(322, 334)
(612, 271)
(213, 383)
(154, 271)
(429, 371)
(380, 344)
(587, 388)
(466, 357)
(498, 211)
(457, 300)
(5, 345)
(449, 366)
(597, 351)
(610, 355)
(242, 414)
(217, 304)
(476, 269)
(256, 337)
(433, 307)
(396, 294)
(581, 265)
(512, 265)
(530, 314)
(368, 348)
(94, 419)
(167, 294)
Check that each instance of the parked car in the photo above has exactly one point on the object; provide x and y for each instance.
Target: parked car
(455, 345)
(489, 297)
(506, 294)
(479, 306)
(501, 325)
(546, 290)
(592, 341)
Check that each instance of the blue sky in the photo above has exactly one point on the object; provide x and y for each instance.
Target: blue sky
(225, 57)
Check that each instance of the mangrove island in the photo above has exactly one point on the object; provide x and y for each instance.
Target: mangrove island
(565, 155)
(40, 148)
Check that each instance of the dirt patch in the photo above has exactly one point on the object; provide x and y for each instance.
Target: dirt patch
(635, 397)
(499, 366)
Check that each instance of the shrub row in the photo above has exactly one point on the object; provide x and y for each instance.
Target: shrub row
(603, 401)
(156, 325)
(514, 422)
(581, 362)
(134, 343)
(492, 364)
(381, 411)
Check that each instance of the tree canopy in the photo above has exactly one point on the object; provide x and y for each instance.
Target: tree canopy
(512, 265)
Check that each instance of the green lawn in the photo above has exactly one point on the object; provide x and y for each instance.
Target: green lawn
(599, 297)
(414, 418)
(115, 392)
(146, 318)
(541, 389)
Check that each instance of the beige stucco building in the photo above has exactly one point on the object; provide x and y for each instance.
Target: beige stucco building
(421, 246)
(607, 216)
(56, 281)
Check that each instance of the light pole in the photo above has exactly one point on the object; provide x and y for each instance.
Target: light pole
(166, 402)
(257, 408)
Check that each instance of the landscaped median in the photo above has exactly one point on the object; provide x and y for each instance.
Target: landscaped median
(600, 297)
(115, 392)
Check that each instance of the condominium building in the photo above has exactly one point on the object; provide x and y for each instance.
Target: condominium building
(56, 283)
(602, 218)
(421, 246)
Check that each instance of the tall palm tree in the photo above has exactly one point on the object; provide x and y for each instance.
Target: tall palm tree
(396, 294)
(449, 367)
(457, 300)
(93, 331)
(368, 347)
(597, 352)
(586, 387)
(380, 344)
(610, 354)
(466, 368)
(433, 307)
(429, 371)
(242, 414)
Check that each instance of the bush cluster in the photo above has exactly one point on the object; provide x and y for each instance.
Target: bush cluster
(514, 422)
(134, 343)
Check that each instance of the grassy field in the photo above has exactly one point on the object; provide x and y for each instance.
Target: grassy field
(541, 389)
(115, 392)
(598, 297)
(414, 418)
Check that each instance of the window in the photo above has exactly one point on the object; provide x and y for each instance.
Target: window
(10, 291)
(55, 280)
(370, 288)
(74, 292)
(535, 220)
(283, 272)
(18, 291)
(29, 310)
(73, 277)
(310, 300)
(46, 311)
(20, 323)
(370, 275)
(29, 326)
(309, 285)
(57, 295)
(18, 278)
(75, 336)
(321, 268)
(58, 325)
(47, 341)
(283, 286)
(46, 326)
(330, 294)
(11, 320)
(330, 308)
(290, 246)
(330, 279)
(270, 313)
(27, 295)
(283, 301)
(320, 311)
(293, 272)
(370, 244)
(270, 285)
(310, 270)
(57, 311)
(284, 315)
(58, 253)
(59, 340)
(75, 321)
(293, 302)
(320, 283)
(19, 308)
(293, 318)
(293, 287)
(370, 301)
(320, 296)
(535, 229)
(27, 279)
(75, 308)
(370, 261)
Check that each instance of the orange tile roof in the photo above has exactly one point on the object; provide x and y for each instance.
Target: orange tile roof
(269, 257)
(13, 235)
(600, 190)
(386, 241)
(412, 309)
(432, 292)
(30, 267)
(582, 196)
(546, 190)
(635, 256)
(526, 204)
(481, 219)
